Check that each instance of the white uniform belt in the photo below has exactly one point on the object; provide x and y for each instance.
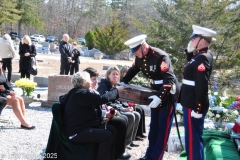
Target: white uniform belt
(156, 81)
(188, 82)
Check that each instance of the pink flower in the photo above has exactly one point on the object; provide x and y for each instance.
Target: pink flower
(131, 104)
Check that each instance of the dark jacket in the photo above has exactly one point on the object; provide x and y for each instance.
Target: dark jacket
(65, 50)
(198, 69)
(104, 86)
(5, 86)
(79, 111)
(76, 54)
(26, 60)
(156, 65)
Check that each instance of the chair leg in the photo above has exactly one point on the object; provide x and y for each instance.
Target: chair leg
(2, 108)
(4, 120)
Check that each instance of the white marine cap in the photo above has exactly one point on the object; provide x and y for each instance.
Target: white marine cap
(135, 42)
(202, 32)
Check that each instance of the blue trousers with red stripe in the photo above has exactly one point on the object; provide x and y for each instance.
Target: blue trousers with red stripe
(160, 127)
(193, 135)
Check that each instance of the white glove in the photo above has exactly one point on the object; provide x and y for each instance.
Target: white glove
(155, 101)
(195, 115)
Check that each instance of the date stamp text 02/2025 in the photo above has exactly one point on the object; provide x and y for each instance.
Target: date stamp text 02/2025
(27, 155)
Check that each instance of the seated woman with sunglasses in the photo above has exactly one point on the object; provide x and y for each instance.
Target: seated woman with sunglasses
(13, 100)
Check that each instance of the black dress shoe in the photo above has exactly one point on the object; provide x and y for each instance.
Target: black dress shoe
(143, 136)
(124, 156)
(145, 158)
(129, 147)
(28, 128)
(139, 139)
(134, 145)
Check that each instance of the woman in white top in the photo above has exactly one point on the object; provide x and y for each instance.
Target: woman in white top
(7, 53)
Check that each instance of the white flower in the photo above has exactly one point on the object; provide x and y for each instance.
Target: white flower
(225, 93)
(235, 112)
(218, 116)
(223, 98)
(215, 93)
(225, 110)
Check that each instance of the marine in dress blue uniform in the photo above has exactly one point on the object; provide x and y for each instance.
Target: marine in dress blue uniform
(156, 65)
(194, 90)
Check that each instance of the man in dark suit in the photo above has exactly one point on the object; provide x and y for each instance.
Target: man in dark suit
(65, 49)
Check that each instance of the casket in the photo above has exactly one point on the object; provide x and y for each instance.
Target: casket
(136, 94)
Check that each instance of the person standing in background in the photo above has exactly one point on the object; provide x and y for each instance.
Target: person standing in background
(7, 53)
(65, 49)
(75, 59)
(194, 90)
(26, 51)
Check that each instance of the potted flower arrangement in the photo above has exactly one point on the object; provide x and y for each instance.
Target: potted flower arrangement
(26, 85)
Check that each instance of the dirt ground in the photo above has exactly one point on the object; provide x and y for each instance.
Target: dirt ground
(49, 64)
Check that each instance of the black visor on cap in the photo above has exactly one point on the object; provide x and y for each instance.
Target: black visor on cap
(195, 35)
(132, 50)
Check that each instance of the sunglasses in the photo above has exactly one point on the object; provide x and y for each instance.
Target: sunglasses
(74, 44)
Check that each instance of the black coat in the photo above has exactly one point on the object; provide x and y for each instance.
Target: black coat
(104, 86)
(25, 61)
(156, 65)
(198, 69)
(76, 54)
(79, 111)
(66, 50)
(5, 86)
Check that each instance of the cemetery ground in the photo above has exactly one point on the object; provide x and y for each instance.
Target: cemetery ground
(17, 143)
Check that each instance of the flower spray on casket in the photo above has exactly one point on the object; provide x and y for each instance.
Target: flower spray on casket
(236, 106)
(219, 111)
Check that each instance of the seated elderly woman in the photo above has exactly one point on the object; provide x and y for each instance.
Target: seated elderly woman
(79, 116)
(13, 100)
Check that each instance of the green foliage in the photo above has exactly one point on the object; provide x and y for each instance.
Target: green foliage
(172, 26)
(110, 38)
(228, 101)
(8, 11)
(30, 15)
(90, 39)
(140, 80)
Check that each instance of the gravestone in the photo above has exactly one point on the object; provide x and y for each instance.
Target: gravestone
(92, 52)
(53, 47)
(45, 44)
(45, 48)
(57, 85)
(85, 53)
(84, 48)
